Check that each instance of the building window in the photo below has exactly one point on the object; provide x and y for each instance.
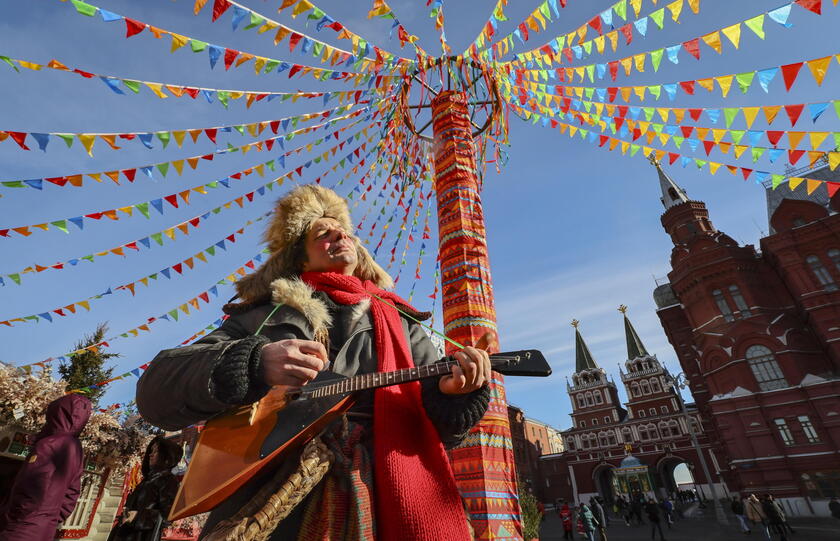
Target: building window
(655, 387)
(834, 255)
(606, 420)
(654, 434)
(643, 433)
(589, 399)
(634, 389)
(784, 431)
(645, 387)
(822, 274)
(641, 413)
(582, 424)
(740, 303)
(611, 437)
(663, 409)
(822, 484)
(663, 429)
(626, 435)
(765, 368)
(602, 437)
(594, 422)
(808, 429)
(570, 444)
(720, 300)
(581, 401)
(675, 428)
(598, 398)
(652, 412)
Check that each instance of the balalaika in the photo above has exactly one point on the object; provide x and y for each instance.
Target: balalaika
(238, 444)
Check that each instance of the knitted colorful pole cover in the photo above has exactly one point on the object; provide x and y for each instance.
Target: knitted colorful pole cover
(483, 465)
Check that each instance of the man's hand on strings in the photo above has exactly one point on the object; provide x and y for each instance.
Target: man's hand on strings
(473, 369)
(292, 363)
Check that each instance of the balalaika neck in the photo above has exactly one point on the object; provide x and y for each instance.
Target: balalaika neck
(375, 380)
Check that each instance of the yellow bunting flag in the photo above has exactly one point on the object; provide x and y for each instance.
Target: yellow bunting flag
(156, 88)
(733, 33)
(749, 115)
(87, 140)
(813, 184)
(770, 112)
(818, 68)
(675, 8)
(178, 41)
(817, 138)
(713, 41)
(725, 83)
(833, 160)
(708, 84)
(793, 182)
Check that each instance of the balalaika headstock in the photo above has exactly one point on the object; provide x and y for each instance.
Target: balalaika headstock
(527, 362)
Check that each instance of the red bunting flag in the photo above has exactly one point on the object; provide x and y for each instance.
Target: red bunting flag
(132, 27)
(19, 138)
(832, 187)
(793, 112)
(230, 56)
(811, 5)
(688, 87)
(774, 136)
(219, 7)
(693, 47)
(789, 73)
(627, 30)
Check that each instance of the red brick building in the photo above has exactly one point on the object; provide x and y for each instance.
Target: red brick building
(757, 334)
(614, 449)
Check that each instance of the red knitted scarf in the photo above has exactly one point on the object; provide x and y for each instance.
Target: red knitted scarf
(415, 492)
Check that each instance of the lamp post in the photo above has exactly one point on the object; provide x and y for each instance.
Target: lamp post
(676, 383)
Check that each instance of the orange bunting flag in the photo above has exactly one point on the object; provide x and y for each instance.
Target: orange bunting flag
(818, 68)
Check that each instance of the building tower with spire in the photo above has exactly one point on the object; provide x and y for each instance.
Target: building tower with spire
(594, 397)
(646, 381)
(757, 338)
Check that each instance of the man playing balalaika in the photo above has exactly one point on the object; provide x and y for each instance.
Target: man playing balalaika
(320, 301)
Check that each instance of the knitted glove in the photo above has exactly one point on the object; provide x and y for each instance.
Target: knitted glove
(237, 377)
(453, 415)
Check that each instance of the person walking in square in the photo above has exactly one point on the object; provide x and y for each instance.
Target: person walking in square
(737, 507)
(652, 510)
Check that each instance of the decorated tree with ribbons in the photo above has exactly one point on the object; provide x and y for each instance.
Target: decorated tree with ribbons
(86, 370)
(395, 128)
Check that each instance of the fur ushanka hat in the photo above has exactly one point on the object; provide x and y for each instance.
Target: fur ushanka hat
(293, 215)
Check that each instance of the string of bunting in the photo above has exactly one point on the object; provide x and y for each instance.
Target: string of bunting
(712, 114)
(759, 176)
(692, 47)
(682, 133)
(121, 250)
(223, 96)
(87, 140)
(130, 174)
(168, 315)
(174, 200)
(233, 57)
(606, 19)
(263, 23)
(818, 68)
(540, 16)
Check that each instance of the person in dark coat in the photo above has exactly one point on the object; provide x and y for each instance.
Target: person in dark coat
(146, 508)
(775, 516)
(47, 486)
(834, 507)
(652, 510)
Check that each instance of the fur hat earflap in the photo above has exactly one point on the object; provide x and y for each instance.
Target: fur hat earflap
(293, 215)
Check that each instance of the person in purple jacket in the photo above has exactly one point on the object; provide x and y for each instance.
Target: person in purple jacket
(46, 487)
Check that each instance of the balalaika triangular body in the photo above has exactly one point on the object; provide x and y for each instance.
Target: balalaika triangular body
(239, 444)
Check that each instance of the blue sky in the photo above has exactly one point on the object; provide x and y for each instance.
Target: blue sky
(573, 230)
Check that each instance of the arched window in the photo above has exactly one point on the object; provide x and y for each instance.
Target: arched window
(654, 434)
(588, 398)
(582, 424)
(598, 398)
(822, 274)
(643, 433)
(611, 437)
(654, 385)
(570, 444)
(765, 368)
(602, 439)
(645, 387)
(663, 429)
(675, 428)
(626, 435)
(834, 255)
(581, 401)
(634, 389)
